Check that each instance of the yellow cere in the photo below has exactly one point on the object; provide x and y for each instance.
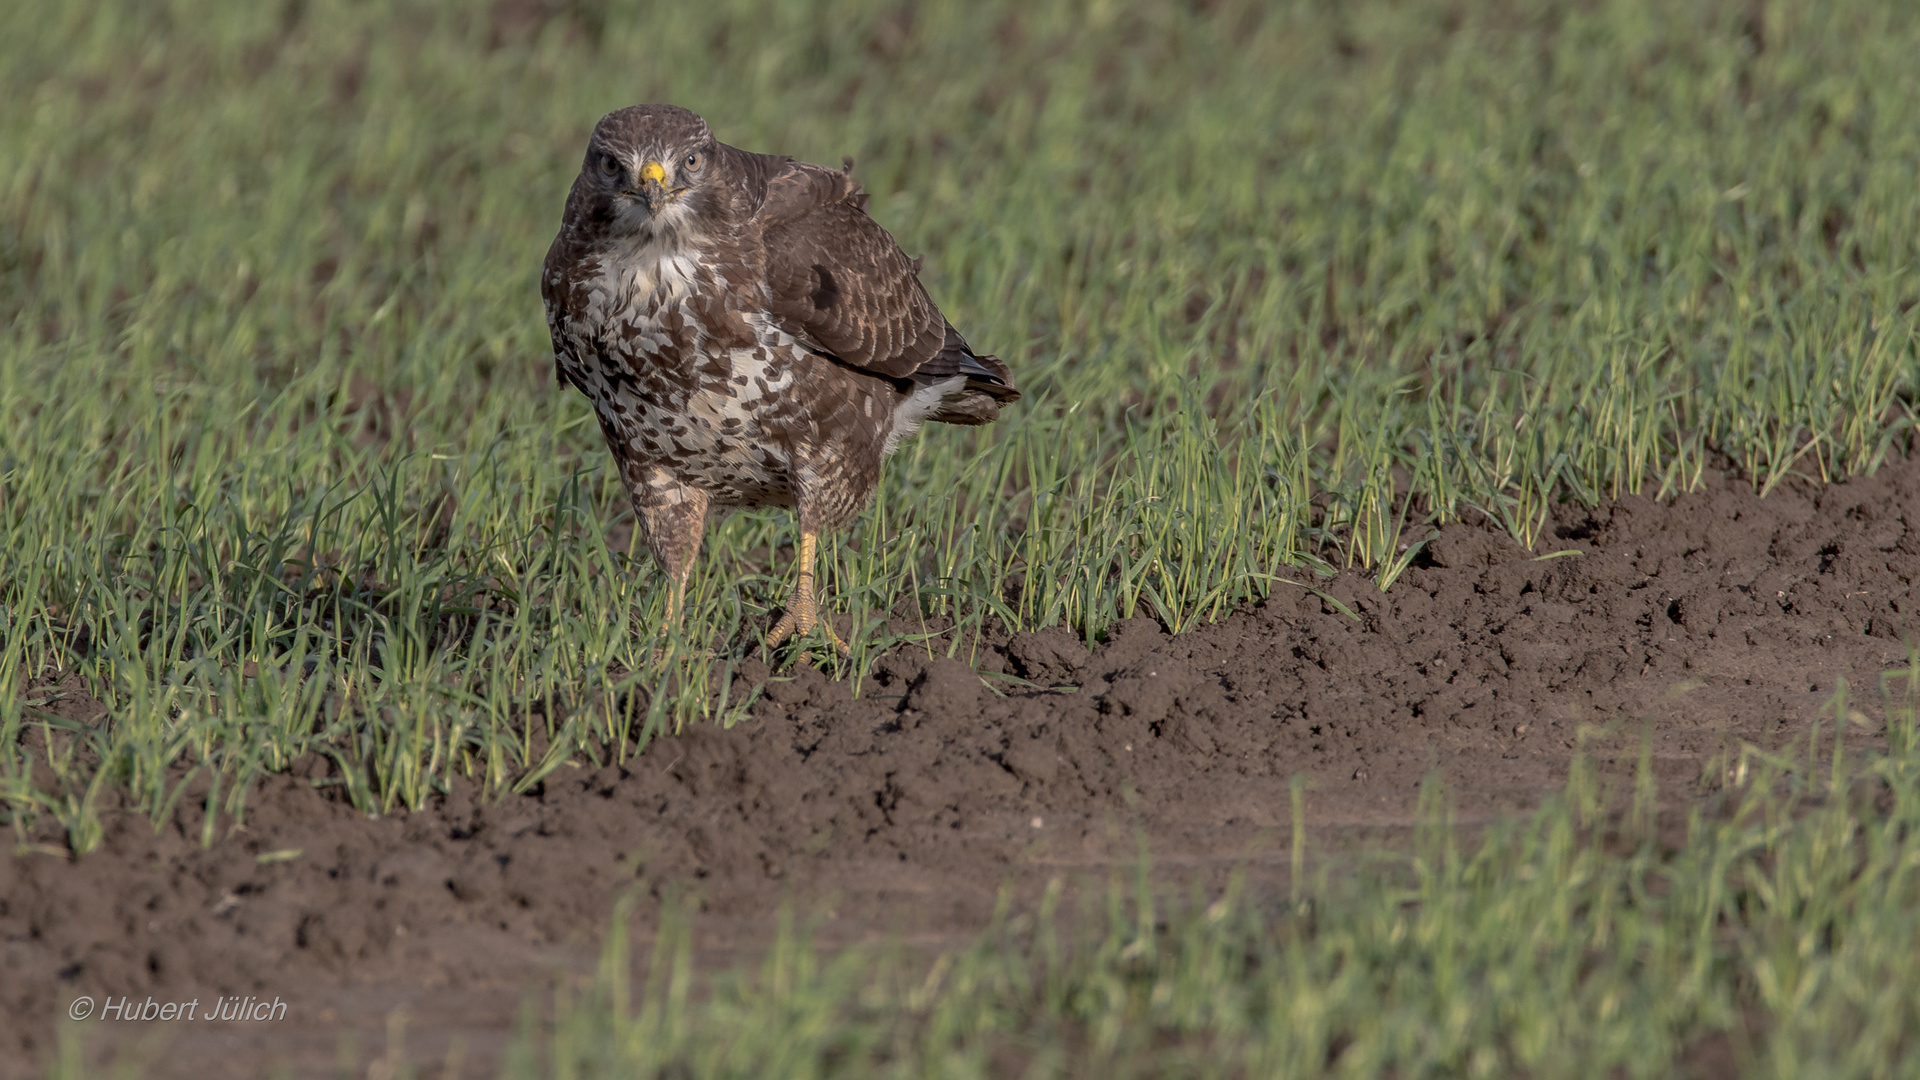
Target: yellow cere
(652, 171)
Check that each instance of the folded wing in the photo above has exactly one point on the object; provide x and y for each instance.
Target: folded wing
(841, 285)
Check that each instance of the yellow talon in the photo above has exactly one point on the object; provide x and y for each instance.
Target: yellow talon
(801, 615)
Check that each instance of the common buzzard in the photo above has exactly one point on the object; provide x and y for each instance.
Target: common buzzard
(748, 337)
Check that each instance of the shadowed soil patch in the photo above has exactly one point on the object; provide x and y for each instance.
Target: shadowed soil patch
(1719, 619)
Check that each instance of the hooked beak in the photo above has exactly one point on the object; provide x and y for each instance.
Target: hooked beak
(653, 186)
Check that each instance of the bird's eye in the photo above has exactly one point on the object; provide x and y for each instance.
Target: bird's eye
(692, 163)
(609, 165)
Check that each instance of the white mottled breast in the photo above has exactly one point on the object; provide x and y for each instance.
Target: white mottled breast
(667, 406)
(634, 285)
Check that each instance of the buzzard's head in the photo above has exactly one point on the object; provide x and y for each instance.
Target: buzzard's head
(651, 172)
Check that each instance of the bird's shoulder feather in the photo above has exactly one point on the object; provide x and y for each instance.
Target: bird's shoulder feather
(839, 281)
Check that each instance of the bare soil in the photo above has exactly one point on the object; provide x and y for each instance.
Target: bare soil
(1719, 619)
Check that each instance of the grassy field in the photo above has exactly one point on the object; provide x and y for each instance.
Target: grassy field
(1772, 939)
(283, 470)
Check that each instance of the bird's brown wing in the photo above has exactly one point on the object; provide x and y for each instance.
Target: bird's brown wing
(556, 296)
(841, 284)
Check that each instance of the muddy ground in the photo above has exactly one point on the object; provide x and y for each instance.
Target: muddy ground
(1721, 618)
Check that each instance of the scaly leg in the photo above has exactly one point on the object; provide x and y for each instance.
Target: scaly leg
(802, 615)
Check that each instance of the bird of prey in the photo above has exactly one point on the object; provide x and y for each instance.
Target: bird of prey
(748, 336)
